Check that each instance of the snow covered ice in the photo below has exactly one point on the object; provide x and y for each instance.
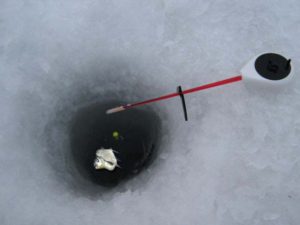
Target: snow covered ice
(236, 161)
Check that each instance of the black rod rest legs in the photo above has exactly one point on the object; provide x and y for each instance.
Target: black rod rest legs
(179, 90)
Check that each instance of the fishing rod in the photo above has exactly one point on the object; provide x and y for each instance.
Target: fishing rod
(265, 70)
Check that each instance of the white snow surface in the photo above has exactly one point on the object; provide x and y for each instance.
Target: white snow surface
(237, 160)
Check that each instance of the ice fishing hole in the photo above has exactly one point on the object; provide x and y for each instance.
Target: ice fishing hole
(136, 145)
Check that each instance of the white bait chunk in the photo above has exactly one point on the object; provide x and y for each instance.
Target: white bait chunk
(105, 159)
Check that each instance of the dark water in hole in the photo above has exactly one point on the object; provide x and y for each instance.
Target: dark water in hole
(92, 129)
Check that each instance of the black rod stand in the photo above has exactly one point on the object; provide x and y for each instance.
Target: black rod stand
(179, 91)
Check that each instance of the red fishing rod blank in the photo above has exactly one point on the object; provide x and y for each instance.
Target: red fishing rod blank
(172, 95)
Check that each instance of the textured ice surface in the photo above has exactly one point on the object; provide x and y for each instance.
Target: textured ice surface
(237, 161)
